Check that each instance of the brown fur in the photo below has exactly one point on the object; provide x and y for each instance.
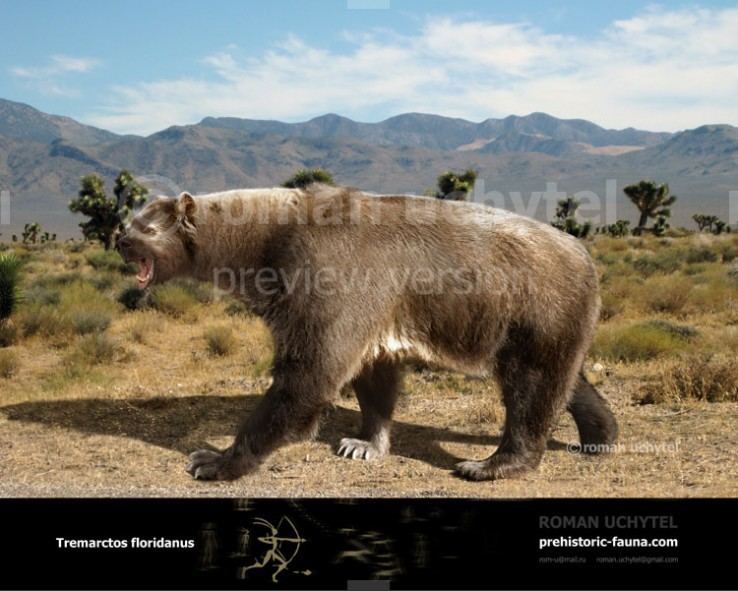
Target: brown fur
(352, 285)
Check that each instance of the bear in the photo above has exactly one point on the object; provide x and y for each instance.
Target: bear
(353, 285)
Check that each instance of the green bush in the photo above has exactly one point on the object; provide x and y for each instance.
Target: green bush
(666, 294)
(81, 309)
(636, 342)
(729, 253)
(104, 280)
(84, 309)
(39, 294)
(237, 308)
(94, 349)
(40, 319)
(133, 298)
(89, 321)
(173, 300)
(109, 260)
(701, 255)
(678, 330)
(664, 262)
(202, 292)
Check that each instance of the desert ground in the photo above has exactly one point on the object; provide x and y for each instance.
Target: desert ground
(104, 392)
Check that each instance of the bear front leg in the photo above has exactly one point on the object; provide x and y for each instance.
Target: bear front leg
(290, 411)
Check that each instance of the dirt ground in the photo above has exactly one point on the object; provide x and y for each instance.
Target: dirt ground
(136, 445)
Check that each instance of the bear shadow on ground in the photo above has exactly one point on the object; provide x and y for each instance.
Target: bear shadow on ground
(185, 423)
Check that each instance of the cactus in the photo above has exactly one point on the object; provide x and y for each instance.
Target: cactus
(9, 292)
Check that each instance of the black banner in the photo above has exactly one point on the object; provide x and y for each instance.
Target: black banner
(332, 543)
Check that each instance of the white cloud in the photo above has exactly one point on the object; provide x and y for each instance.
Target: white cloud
(661, 69)
(47, 78)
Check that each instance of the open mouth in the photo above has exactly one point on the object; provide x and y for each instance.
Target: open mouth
(145, 272)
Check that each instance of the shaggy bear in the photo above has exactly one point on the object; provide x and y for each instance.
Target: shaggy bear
(352, 285)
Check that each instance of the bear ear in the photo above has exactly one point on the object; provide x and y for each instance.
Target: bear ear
(186, 207)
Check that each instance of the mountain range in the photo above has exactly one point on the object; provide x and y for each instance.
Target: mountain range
(42, 158)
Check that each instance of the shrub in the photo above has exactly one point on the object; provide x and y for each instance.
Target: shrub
(713, 296)
(9, 363)
(94, 349)
(729, 253)
(707, 378)
(173, 300)
(39, 294)
(104, 281)
(89, 321)
(679, 330)
(307, 176)
(693, 269)
(84, 310)
(202, 292)
(666, 294)
(664, 262)
(133, 298)
(81, 309)
(40, 319)
(220, 340)
(702, 254)
(8, 333)
(109, 260)
(141, 326)
(237, 308)
(612, 305)
(55, 281)
(636, 342)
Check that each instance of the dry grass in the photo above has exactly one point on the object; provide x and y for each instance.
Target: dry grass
(700, 377)
(8, 333)
(115, 411)
(220, 340)
(8, 363)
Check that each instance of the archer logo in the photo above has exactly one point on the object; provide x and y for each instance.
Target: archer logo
(279, 546)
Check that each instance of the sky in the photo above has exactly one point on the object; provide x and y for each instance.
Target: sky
(141, 66)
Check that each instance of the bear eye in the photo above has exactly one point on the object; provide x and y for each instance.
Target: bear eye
(149, 230)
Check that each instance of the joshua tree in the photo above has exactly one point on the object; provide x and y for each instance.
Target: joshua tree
(31, 232)
(307, 176)
(107, 216)
(653, 201)
(566, 221)
(704, 222)
(456, 187)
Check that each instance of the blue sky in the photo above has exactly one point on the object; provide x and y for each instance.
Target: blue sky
(140, 66)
